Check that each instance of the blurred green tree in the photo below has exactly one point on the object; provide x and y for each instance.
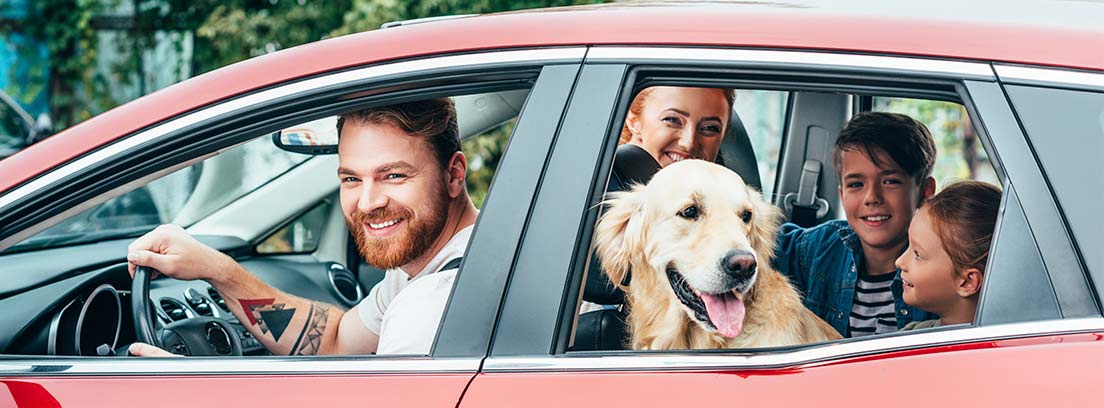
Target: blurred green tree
(225, 32)
(483, 153)
(64, 28)
(370, 14)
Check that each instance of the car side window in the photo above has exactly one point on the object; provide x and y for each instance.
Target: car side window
(1066, 129)
(638, 231)
(182, 197)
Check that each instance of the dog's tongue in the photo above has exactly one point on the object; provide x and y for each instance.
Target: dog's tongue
(726, 312)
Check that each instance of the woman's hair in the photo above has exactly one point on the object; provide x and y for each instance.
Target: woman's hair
(964, 215)
(637, 106)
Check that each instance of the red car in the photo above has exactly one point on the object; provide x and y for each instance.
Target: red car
(1015, 95)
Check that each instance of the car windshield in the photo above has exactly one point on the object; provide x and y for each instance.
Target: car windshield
(183, 197)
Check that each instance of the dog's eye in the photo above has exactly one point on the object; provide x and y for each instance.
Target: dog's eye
(746, 215)
(690, 213)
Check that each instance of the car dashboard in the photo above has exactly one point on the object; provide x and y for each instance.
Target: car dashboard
(76, 301)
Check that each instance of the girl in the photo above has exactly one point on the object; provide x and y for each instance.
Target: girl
(948, 248)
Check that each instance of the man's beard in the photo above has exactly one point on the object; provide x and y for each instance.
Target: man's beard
(418, 236)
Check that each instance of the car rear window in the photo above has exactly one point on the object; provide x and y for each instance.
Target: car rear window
(1066, 129)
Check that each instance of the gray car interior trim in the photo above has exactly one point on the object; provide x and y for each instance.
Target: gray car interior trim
(764, 359)
(815, 122)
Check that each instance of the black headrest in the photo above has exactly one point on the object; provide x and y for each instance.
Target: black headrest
(603, 329)
(738, 154)
(631, 165)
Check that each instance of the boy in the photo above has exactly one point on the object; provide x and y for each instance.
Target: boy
(845, 269)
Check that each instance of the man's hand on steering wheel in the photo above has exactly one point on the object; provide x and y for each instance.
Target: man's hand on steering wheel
(172, 251)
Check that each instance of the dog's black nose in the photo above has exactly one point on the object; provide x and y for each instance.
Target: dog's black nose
(739, 264)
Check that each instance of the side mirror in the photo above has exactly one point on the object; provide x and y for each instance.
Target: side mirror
(314, 137)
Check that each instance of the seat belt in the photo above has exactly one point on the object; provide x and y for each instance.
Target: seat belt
(805, 208)
(352, 256)
(453, 264)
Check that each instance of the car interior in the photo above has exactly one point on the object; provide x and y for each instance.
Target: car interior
(270, 202)
(790, 161)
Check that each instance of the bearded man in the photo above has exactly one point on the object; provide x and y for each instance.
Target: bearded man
(403, 194)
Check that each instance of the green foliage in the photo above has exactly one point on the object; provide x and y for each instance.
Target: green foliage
(483, 153)
(370, 14)
(234, 31)
(959, 156)
(223, 32)
(64, 26)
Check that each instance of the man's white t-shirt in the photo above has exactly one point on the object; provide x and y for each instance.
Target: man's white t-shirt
(405, 312)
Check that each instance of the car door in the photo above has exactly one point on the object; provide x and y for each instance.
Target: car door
(463, 339)
(1037, 313)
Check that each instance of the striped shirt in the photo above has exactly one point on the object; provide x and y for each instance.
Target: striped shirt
(873, 311)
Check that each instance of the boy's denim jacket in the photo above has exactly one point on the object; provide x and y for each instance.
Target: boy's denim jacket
(823, 263)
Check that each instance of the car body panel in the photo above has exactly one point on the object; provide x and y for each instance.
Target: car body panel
(1018, 372)
(423, 390)
(902, 31)
(522, 276)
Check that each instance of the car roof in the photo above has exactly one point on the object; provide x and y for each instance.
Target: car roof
(1060, 34)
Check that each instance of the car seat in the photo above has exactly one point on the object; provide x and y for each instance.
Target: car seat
(606, 328)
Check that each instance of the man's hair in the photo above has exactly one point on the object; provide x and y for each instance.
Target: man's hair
(905, 140)
(433, 120)
(964, 215)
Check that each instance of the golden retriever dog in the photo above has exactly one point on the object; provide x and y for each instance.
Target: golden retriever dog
(699, 242)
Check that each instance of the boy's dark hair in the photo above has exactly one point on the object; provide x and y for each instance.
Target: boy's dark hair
(904, 139)
(432, 119)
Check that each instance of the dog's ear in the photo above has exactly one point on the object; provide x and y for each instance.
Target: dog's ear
(764, 227)
(618, 234)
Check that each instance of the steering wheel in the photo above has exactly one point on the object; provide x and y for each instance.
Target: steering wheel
(196, 336)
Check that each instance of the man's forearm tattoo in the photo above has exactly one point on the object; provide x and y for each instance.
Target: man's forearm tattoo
(268, 316)
(310, 339)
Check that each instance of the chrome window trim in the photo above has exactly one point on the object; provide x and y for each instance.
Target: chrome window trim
(124, 144)
(1018, 73)
(767, 359)
(896, 65)
(11, 367)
